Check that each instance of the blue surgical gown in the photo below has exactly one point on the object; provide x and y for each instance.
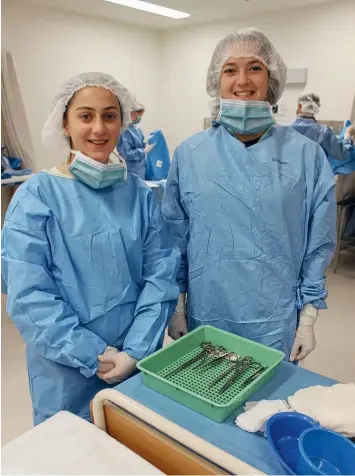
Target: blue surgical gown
(158, 159)
(256, 229)
(131, 147)
(85, 269)
(335, 149)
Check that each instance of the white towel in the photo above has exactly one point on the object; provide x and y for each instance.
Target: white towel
(258, 413)
(333, 407)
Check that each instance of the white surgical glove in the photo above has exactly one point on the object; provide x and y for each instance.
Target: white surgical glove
(148, 148)
(105, 367)
(305, 340)
(350, 133)
(124, 366)
(178, 324)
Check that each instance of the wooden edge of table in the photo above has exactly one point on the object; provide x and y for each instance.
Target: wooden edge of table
(165, 454)
(168, 446)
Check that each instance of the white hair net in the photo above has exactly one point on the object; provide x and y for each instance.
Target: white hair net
(138, 107)
(248, 43)
(310, 103)
(53, 131)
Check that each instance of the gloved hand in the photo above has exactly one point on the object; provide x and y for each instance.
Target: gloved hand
(148, 148)
(350, 133)
(124, 366)
(106, 367)
(178, 324)
(305, 340)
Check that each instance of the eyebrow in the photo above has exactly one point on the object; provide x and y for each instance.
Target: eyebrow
(248, 62)
(92, 109)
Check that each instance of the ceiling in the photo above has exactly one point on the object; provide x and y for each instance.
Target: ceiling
(201, 11)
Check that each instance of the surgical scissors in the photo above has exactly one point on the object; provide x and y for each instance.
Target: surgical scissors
(234, 358)
(214, 355)
(254, 376)
(240, 369)
(207, 347)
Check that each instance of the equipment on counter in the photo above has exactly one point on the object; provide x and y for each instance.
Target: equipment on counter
(210, 371)
(206, 348)
(302, 446)
(212, 356)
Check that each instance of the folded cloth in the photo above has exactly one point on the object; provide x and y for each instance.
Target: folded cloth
(257, 414)
(16, 173)
(333, 407)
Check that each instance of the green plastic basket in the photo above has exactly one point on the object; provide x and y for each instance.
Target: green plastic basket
(192, 386)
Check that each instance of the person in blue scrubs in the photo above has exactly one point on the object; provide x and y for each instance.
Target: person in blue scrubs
(88, 261)
(252, 207)
(131, 145)
(336, 150)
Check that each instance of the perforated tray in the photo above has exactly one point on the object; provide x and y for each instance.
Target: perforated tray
(192, 386)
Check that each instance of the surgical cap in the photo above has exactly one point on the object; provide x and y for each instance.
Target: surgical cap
(138, 107)
(53, 131)
(310, 103)
(248, 43)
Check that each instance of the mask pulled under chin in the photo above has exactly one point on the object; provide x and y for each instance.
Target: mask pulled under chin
(245, 117)
(97, 175)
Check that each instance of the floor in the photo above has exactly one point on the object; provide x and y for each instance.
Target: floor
(334, 355)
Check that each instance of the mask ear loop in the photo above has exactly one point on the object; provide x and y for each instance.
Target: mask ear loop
(66, 163)
(119, 157)
(121, 161)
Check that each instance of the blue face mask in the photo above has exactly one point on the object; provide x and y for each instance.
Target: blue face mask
(97, 175)
(137, 121)
(245, 117)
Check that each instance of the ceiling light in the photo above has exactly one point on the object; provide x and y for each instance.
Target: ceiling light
(151, 8)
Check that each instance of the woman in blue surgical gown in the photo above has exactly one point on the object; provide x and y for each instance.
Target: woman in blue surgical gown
(90, 267)
(338, 151)
(131, 145)
(252, 207)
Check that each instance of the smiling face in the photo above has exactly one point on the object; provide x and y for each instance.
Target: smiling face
(93, 122)
(245, 79)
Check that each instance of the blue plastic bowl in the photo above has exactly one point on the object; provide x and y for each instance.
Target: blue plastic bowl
(283, 431)
(323, 451)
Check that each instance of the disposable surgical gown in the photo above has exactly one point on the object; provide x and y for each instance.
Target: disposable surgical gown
(131, 147)
(336, 150)
(158, 159)
(256, 229)
(85, 269)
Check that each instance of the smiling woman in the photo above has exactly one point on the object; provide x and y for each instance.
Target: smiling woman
(256, 226)
(244, 78)
(89, 264)
(92, 121)
(252, 49)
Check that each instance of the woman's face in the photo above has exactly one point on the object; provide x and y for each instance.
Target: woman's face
(245, 79)
(134, 115)
(93, 122)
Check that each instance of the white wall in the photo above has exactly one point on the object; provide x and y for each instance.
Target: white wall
(49, 46)
(321, 39)
(167, 71)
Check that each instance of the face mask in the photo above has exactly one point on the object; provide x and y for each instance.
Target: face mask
(137, 121)
(245, 117)
(97, 175)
